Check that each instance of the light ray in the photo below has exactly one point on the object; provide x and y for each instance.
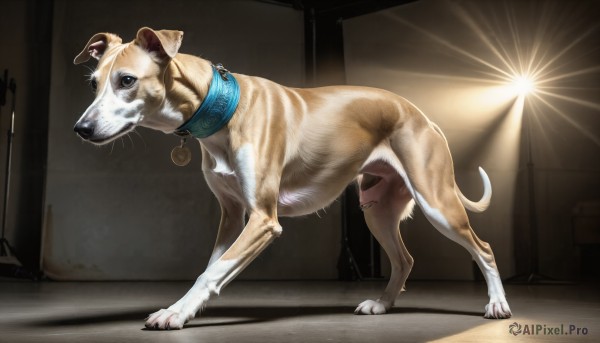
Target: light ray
(585, 103)
(569, 120)
(504, 58)
(453, 47)
(541, 69)
(579, 72)
(529, 65)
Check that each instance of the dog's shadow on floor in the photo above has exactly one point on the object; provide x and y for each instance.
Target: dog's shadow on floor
(249, 315)
(234, 315)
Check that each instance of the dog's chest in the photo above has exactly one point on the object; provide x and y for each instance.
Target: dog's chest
(292, 201)
(232, 175)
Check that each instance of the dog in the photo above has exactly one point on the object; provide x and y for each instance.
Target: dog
(270, 150)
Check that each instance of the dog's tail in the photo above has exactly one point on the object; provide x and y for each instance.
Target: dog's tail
(484, 202)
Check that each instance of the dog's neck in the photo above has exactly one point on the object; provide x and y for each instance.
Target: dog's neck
(217, 108)
(186, 82)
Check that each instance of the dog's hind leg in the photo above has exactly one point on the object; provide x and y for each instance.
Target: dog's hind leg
(388, 200)
(428, 165)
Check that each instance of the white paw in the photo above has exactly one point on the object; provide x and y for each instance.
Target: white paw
(371, 307)
(165, 320)
(497, 310)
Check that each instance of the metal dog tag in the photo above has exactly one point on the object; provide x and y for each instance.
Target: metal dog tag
(181, 155)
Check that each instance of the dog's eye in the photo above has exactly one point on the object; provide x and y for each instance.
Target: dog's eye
(127, 81)
(93, 84)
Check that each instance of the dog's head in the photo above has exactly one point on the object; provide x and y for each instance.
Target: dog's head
(128, 81)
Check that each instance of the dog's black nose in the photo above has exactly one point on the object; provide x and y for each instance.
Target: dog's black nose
(85, 129)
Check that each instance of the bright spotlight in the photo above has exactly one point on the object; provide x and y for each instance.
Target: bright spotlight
(523, 85)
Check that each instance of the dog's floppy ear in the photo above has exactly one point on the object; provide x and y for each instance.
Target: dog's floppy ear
(96, 46)
(164, 43)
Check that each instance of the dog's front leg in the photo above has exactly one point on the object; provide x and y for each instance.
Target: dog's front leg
(230, 227)
(258, 233)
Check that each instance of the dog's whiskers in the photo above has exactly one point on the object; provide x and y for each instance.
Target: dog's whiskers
(321, 212)
(141, 137)
(91, 70)
(131, 140)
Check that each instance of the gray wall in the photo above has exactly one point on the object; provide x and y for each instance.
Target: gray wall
(13, 52)
(125, 211)
(24, 50)
(431, 53)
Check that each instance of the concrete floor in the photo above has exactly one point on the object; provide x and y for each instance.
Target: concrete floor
(291, 312)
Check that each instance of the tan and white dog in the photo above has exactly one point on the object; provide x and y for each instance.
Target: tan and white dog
(287, 152)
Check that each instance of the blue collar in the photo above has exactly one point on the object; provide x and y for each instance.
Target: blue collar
(216, 109)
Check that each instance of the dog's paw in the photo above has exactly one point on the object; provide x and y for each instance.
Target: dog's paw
(372, 307)
(165, 320)
(497, 310)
